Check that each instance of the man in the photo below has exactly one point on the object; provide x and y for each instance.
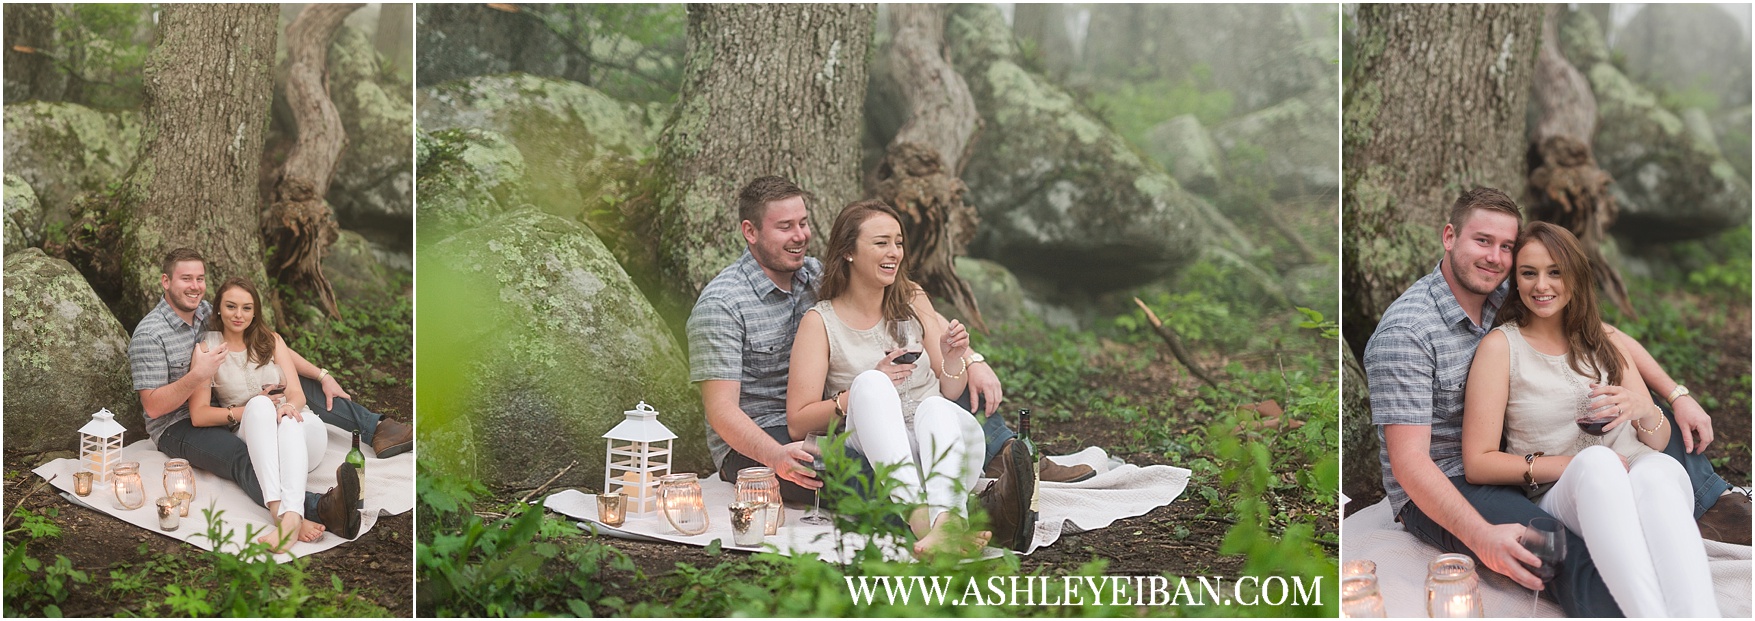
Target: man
(1417, 364)
(740, 342)
(167, 370)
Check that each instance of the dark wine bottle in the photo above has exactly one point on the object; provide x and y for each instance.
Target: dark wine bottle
(358, 460)
(1035, 457)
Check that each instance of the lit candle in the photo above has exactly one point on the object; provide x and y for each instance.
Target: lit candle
(612, 508)
(168, 520)
(184, 499)
(82, 483)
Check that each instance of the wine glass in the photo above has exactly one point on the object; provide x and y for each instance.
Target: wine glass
(813, 445)
(1545, 538)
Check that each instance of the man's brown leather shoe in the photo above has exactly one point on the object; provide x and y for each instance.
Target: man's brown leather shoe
(392, 438)
(1008, 499)
(337, 508)
(1727, 520)
(1047, 470)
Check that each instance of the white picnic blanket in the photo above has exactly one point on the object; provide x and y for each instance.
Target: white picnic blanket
(1118, 491)
(1372, 534)
(389, 490)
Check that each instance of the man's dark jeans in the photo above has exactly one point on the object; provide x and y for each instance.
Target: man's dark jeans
(1578, 587)
(1708, 485)
(223, 453)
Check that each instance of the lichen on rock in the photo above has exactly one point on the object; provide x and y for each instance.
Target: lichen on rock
(24, 215)
(467, 176)
(66, 356)
(63, 150)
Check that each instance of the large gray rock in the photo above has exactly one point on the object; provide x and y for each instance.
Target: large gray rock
(997, 292)
(467, 176)
(66, 356)
(373, 190)
(24, 215)
(63, 150)
(1296, 142)
(355, 270)
(1731, 127)
(1361, 466)
(1669, 183)
(581, 146)
(1185, 148)
(1062, 196)
(1682, 47)
(558, 343)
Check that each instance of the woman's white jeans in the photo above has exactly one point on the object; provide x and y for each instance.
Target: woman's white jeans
(939, 460)
(283, 451)
(1640, 529)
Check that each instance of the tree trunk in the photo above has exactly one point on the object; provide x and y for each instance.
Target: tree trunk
(208, 89)
(1044, 26)
(1565, 185)
(299, 225)
(767, 90)
(30, 44)
(1435, 105)
(919, 174)
(395, 37)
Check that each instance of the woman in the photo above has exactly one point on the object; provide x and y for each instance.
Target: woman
(286, 441)
(845, 363)
(1550, 362)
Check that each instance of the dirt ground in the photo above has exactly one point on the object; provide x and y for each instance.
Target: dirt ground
(379, 566)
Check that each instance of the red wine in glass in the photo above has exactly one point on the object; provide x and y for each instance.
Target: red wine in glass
(1594, 426)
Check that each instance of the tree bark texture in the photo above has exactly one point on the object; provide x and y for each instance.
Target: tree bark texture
(1565, 185)
(1435, 105)
(942, 113)
(30, 44)
(209, 86)
(767, 90)
(395, 36)
(298, 224)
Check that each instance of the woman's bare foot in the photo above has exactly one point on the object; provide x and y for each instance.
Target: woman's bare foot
(286, 530)
(310, 531)
(948, 535)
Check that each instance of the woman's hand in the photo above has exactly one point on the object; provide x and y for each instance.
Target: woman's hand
(954, 344)
(898, 372)
(1615, 401)
(288, 410)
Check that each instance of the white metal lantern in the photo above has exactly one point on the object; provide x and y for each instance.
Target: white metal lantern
(634, 458)
(100, 445)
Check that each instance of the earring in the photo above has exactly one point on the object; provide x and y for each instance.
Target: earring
(849, 259)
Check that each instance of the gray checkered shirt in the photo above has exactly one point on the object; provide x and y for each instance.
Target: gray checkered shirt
(159, 355)
(741, 330)
(1417, 364)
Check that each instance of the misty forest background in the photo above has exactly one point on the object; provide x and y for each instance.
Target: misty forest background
(576, 172)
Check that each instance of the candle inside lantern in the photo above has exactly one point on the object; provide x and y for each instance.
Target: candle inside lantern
(748, 521)
(82, 483)
(130, 491)
(612, 508)
(184, 499)
(168, 520)
(679, 495)
(1452, 589)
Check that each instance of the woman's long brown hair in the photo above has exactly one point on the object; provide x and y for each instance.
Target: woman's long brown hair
(258, 338)
(837, 275)
(1587, 344)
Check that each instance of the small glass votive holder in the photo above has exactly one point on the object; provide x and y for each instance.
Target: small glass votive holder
(748, 523)
(184, 499)
(612, 508)
(168, 520)
(82, 482)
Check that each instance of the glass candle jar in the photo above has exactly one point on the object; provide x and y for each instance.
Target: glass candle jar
(679, 497)
(746, 522)
(759, 485)
(612, 508)
(179, 479)
(130, 490)
(1452, 589)
(82, 482)
(1360, 598)
(168, 520)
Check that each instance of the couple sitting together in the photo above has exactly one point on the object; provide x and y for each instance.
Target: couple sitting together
(222, 390)
(1477, 375)
(784, 345)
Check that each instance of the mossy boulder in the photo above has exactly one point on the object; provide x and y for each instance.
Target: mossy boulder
(582, 147)
(356, 270)
(1295, 144)
(66, 356)
(1731, 127)
(997, 291)
(467, 176)
(373, 190)
(1361, 465)
(1185, 148)
(1669, 183)
(24, 215)
(1061, 195)
(63, 150)
(557, 344)
(1697, 49)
